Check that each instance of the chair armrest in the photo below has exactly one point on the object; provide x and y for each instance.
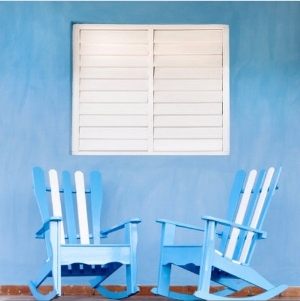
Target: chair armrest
(46, 226)
(104, 233)
(261, 234)
(181, 225)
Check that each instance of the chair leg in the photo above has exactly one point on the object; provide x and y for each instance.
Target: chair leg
(45, 272)
(110, 268)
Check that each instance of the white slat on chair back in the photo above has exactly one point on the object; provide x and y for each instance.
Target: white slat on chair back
(257, 214)
(240, 215)
(82, 208)
(56, 203)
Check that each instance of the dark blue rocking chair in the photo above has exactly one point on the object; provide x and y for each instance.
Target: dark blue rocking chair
(224, 255)
(71, 230)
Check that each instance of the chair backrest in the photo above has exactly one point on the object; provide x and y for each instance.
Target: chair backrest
(248, 203)
(80, 208)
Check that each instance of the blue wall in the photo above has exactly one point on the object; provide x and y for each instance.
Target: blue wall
(35, 123)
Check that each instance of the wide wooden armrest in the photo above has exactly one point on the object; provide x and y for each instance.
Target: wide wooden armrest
(104, 233)
(181, 225)
(261, 234)
(46, 226)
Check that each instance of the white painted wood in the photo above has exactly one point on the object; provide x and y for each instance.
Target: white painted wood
(241, 214)
(257, 214)
(188, 109)
(226, 94)
(188, 61)
(150, 90)
(188, 133)
(188, 121)
(113, 109)
(115, 73)
(188, 48)
(188, 85)
(56, 203)
(114, 85)
(187, 36)
(120, 36)
(121, 67)
(114, 133)
(113, 61)
(81, 208)
(114, 49)
(113, 121)
(114, 145)
(187, 96)
(114, 96)
(188, 73)
(187, 145)
(75, 91)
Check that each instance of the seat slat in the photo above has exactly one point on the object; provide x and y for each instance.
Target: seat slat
(82, 208)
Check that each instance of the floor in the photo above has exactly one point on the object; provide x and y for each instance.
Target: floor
(99, 298)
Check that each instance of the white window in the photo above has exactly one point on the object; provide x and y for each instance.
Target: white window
(150, 89)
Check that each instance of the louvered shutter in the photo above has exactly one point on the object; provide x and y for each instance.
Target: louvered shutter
(150, 89)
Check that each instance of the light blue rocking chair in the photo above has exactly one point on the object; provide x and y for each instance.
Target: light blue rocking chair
(71, 229)
(224, 255)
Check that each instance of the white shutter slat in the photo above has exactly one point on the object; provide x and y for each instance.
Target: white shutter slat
(114, 85)
(187, 96)
(113, 133)
(113, 61)
(114, 96)
(113, 121)
(188, 85)
(113, 73)
(113, 145)
(188, 36)
(120, 36)
(187, 145)
(114, 49)
(188, 121)
(188, 61)
(113, 109)
(188, 73)
(187, 49)
(188, 133)
(188, 109)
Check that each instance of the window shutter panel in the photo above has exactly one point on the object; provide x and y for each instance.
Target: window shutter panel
(113, 90)
(188, 82)
(150, 89)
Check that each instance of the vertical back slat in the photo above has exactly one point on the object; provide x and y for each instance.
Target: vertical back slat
(240, 214)
(250, 211)
(56, 204)
(257, 213)
(234, 199)
(40, 191)
(82, 208)
(69, 207)
(96, 203)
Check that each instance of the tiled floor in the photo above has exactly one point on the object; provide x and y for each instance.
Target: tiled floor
(99, 298)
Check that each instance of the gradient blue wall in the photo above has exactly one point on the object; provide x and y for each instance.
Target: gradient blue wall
(35, 123)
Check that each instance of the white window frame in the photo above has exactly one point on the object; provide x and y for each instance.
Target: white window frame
(191, 118)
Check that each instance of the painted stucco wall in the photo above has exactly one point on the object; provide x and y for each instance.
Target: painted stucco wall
(35, 129)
